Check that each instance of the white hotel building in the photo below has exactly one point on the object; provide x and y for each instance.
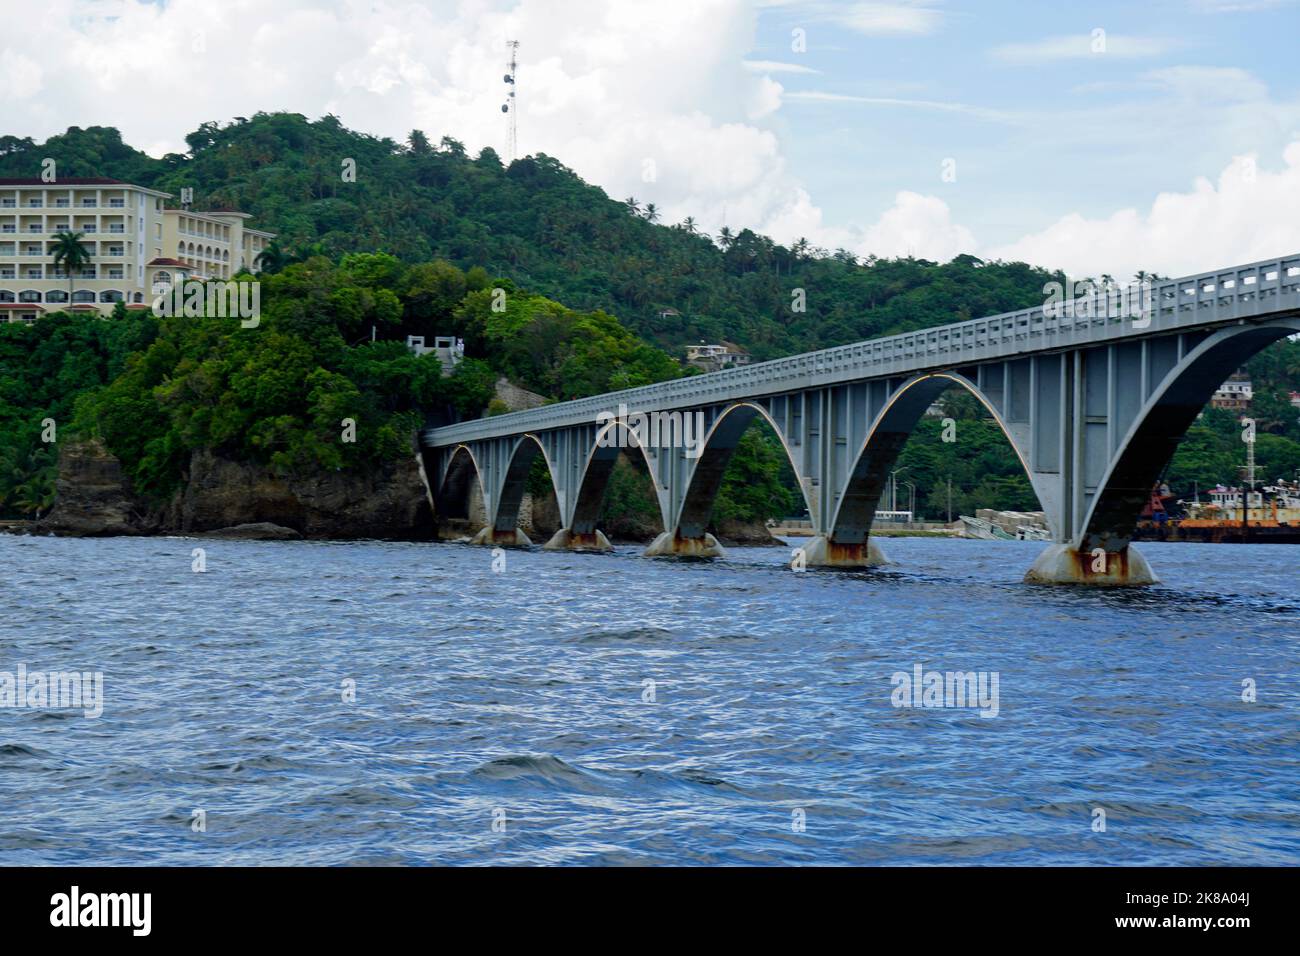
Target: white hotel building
(137, 246)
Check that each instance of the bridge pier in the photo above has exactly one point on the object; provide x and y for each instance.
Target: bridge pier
(822, 552)
(491, 537)
(589, 541)
(1065, 564)
(672, 544)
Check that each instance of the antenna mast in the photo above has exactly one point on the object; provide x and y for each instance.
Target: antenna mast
(511, 105)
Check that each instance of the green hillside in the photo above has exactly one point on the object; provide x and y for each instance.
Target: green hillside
(600, 296)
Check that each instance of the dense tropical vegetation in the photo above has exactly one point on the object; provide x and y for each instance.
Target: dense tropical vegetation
(597, 296)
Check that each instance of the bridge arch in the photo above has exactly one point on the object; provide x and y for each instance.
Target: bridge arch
(720, 445)
(503, 516)
(889, 432)
(452, 494)
(596, 471)
(1160, 425)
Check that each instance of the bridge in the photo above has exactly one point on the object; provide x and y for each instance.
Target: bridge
(1094, 394)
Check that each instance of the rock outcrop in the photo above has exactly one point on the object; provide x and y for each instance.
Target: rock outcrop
(389, 503)
(744, 534)
(96, 498)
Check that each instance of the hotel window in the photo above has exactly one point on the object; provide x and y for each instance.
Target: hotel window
(35, 203)
(83, 295)
(29, 295)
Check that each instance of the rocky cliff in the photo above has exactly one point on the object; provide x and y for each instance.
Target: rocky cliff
(96, 498)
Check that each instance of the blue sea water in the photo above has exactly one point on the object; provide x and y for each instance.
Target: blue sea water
(504, 717)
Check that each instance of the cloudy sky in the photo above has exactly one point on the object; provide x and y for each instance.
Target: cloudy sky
(1095, 137)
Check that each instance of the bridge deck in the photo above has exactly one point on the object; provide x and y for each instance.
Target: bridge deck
(1205, 300)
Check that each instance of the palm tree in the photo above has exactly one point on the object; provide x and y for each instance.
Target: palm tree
(27, 482)
(689, 224)
(271, 259)
(726, 238)
(651, 213)
(418, 142)
(71, 255)
(633, 206)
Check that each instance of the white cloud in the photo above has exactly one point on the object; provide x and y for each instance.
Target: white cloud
(20, 76)
(884, 19)
(818, 96)
(1082, 46)
(773, 66)
(1203, 85)
(603, 87)
(1238, 6)
(614, 83)
(914, 225)
(917, 225)
(1249, 214)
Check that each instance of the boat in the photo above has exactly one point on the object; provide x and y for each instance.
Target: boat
(1271, 515)
(1030, 533)
(984, 530)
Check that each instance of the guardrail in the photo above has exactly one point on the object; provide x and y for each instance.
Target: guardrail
(1206, 299)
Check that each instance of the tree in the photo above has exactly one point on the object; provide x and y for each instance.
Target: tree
(651, 212)
(70, 255)
(418, 143)
(272, 258)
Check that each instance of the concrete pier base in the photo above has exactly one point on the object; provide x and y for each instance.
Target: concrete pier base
(566, 540)
(669, 545)
(502, 539)
(1062, 564)
(821, 552)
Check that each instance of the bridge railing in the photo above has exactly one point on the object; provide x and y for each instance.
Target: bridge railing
(1222, 296)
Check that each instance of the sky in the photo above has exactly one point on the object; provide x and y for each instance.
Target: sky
(1099, 137)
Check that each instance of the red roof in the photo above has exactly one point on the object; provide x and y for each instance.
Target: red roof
(168, 262)
(138, 305)
(22, 305)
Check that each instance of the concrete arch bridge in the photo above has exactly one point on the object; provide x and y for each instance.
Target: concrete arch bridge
(1093, 393)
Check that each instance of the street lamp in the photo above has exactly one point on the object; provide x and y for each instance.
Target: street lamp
(893, 487)
(911, 505)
